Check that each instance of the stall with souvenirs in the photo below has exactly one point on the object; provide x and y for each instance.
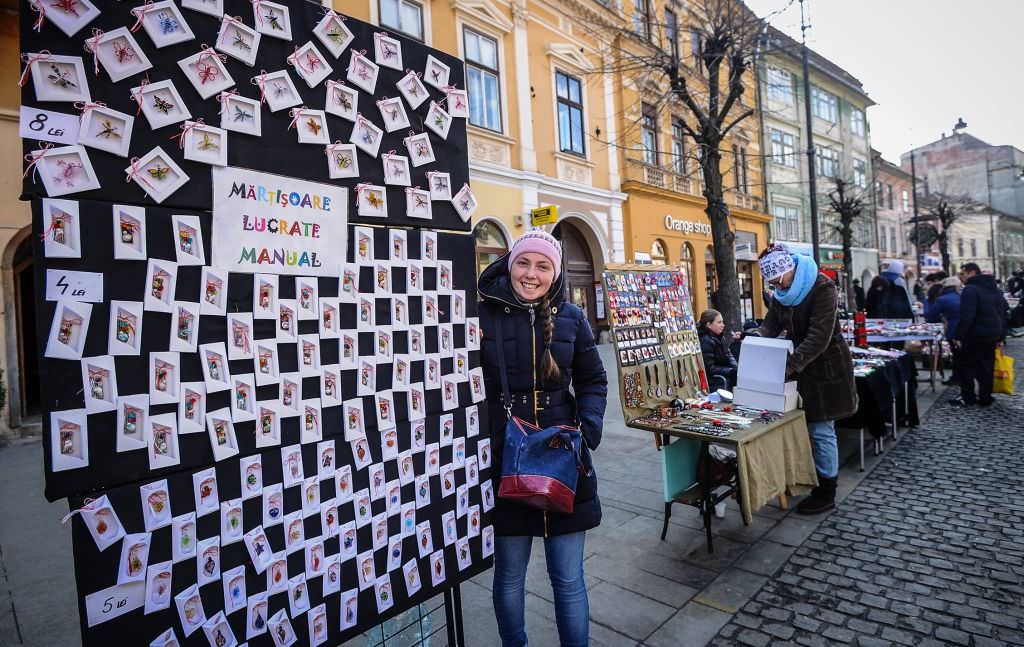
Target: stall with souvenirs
(259, 343)
(711, 447)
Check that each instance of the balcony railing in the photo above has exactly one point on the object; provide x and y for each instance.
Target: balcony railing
(665, 178)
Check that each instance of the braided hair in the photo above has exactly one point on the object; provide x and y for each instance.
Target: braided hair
(548, 368)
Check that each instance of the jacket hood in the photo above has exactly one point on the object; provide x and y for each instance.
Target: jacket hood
(986, 281)
(495, 284)
(952, 289)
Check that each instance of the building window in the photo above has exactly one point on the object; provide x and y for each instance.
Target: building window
(403, 16)
(889, 187)
(783, 148)
(974, 248)
(710, 277)
(780, 85)
(678, 147)
(860, 173)
(823, 104)
(490, 244)
(686, 260)
(988, 248)
(649, 133)
(879, 193)
(642, 17)
(672, 33)
(658, 254)
(906, 202)
(570, 114)
(787, 222)
(857, 123)
(893, 246)
(482, 80)
(744, 171)
(696, 48)
(826, 161)
(960, 247)
(882, 239)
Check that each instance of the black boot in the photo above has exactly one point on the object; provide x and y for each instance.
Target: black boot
(821, 498)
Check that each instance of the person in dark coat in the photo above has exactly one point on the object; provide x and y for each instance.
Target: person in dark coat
(946, 309)
(806, 311)
(548, 348)
(933, 285)
(875, 300)
(714, 346)
(858, 294)
(982, 326)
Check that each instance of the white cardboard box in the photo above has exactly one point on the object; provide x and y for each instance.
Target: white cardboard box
(762, 366)
(783, 403)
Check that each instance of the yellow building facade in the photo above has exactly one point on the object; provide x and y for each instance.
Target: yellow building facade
(616, 200)
(552, 124)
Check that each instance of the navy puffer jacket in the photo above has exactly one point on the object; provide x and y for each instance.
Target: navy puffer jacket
(983, 310)
(583, 384)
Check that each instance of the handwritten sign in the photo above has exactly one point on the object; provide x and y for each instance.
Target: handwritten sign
(86, 287)
(271, 224)
(114, 601)
(48, 126)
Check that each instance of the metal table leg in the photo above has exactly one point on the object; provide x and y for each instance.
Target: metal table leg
(707, 505)
(861, 449)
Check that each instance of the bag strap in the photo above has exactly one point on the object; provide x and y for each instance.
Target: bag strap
(499, 342)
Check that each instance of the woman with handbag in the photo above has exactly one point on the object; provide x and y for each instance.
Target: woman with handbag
(535, 347)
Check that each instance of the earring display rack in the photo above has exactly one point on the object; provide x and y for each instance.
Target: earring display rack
(656, 346)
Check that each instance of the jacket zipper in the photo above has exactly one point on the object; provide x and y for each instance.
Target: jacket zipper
(536, 418)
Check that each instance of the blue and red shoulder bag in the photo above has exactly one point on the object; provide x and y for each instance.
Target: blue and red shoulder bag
(540, 467)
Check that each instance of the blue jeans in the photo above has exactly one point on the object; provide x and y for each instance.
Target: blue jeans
(824, 447)
(565, 568)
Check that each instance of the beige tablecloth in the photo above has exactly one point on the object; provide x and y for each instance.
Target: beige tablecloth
(776, 462)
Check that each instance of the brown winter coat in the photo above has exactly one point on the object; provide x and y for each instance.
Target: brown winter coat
(821, 359)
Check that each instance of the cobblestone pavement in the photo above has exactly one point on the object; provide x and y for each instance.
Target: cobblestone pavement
(927, 550)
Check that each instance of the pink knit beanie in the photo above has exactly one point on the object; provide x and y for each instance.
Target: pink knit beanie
(538, 242)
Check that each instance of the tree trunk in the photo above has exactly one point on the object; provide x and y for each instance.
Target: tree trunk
(944, 250)
(723, 238)
(851, 301)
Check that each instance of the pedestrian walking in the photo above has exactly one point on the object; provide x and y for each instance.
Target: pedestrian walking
(858, 294)
(897, 299)
(806, 310)
(874, 303)
(547, 347)
(946, 309)
(719, 363)
(982, 327)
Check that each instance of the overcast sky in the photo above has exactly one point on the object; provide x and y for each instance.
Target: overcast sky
(924, 62)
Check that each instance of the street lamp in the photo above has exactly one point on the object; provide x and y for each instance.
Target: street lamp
(992, 211)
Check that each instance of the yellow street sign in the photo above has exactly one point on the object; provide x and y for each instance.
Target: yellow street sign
(544, 215)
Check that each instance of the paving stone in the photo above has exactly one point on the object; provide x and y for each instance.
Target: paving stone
(625, 611)
(911, 556)
(730, 590)
(694, 624)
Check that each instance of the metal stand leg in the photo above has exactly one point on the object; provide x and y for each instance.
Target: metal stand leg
(861, 449)
(707, 507)
(895, 422)
(449, 615)
(668, 513)
(460, 633)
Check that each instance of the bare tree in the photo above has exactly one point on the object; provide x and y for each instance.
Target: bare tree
(940, 214)
(848, 204)
(707, 85)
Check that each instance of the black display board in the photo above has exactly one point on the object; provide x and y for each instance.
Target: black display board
(119, 475)
(277, 151)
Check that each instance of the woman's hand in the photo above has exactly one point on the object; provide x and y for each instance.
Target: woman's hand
(736, 336)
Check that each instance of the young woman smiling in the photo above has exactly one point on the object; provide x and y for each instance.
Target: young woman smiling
(548, 347)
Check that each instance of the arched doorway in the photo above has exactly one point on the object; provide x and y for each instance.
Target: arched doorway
(579, 269)
(711, 277)
(659, 255)
(24, 375)
(686, 263)
(490, 244)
